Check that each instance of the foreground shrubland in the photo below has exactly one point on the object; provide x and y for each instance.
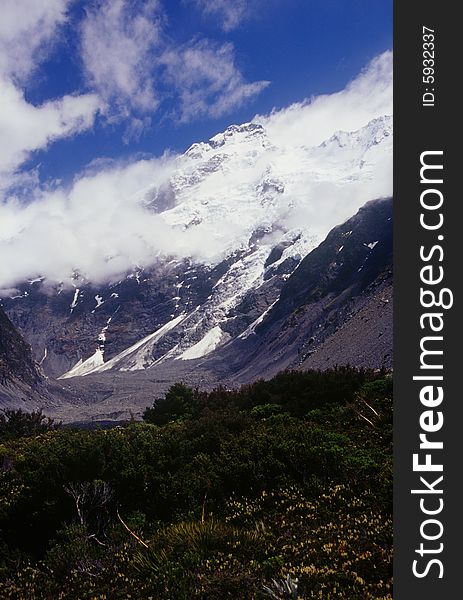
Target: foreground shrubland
(281, 489)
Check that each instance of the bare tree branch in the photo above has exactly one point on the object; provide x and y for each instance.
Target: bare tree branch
(132, 533)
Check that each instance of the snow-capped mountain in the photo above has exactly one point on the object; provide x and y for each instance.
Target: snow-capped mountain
(243, 212)
(241, 182)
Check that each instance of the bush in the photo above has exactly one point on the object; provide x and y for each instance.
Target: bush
(17, 423)
(178, 403)
(215, 495)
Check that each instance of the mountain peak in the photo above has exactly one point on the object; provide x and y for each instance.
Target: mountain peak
(373, 133)
(233, 134)
(239, 133)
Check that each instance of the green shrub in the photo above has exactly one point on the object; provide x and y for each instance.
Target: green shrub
(213, 496)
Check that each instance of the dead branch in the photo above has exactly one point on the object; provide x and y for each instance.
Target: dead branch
(132, 533)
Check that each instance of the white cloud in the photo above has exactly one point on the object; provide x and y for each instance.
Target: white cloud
(207, 79)
(27, 28)
(118, 39)
(128, 61)
(98, 226)
(25, 127)
(27, 31)
(316, 119)
(133, 66)
(229, 12)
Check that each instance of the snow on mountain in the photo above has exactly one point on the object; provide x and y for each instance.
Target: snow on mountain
(205, 346)
(226, 188)
(271, 195)
(133, 359)
(87, 366)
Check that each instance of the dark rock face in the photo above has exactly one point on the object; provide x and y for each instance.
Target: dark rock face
(65, 326)
(22, 384)
(351, 257)
(335, 308)
(16, 362)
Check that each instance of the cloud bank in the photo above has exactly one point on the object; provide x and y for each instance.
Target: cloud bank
(100, 226)
(97, 227)
(314, 120)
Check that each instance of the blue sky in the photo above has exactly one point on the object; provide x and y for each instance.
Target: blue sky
(288, 49)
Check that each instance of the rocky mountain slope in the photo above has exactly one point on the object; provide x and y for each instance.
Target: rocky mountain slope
(244, 212)
(336, 307)
(21, 382)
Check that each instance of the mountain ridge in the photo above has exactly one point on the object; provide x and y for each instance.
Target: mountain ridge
(22, 382)
(348, 275)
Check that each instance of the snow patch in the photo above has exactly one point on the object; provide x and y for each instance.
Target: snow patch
(208, 344)
(20, 296)
(85, 367)
(45, 354)
(251, 329)
(99, 301)
(371, 245)
(76, 297)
